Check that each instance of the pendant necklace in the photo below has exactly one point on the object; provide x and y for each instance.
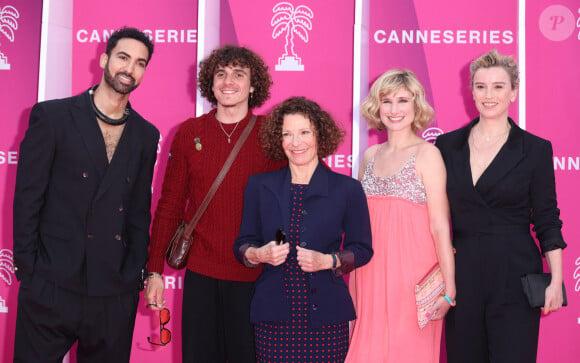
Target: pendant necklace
(231, 133)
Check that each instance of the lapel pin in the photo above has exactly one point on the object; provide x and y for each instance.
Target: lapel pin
(198, 146)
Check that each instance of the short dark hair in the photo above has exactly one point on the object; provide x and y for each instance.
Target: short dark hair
(236, 56)
(328, 134)
(132, 33)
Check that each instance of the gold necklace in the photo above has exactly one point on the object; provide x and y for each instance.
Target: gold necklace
(231, 133)
(480, 151)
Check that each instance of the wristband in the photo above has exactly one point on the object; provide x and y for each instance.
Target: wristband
(451, 302)
(333, 260)
(155, 274)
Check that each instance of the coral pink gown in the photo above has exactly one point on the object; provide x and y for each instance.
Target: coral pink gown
(386, 329)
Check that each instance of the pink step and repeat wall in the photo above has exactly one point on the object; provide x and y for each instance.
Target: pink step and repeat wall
(312, 56)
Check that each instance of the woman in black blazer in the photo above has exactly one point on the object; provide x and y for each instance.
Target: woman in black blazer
(301, 305)
(500, 180)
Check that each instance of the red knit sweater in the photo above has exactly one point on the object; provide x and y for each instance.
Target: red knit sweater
(188, 177)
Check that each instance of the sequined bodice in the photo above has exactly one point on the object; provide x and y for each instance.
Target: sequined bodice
(403, 184)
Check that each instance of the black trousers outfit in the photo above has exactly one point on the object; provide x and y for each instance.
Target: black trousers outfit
(216, 320)
(492, 322)
(51, 319)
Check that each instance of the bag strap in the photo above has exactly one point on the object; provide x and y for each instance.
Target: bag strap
(220, 177)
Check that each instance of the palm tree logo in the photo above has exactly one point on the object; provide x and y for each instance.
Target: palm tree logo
(578, 24)
(8, 24)
(292, 21)
(6, 265)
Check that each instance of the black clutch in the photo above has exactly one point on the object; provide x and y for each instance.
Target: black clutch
(535, 289)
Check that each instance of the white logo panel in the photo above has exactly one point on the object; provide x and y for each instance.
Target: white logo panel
(430, 135)
(8, 25)
(6, 266)
(291, 21)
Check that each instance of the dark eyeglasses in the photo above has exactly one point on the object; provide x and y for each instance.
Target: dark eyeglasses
(164, 333)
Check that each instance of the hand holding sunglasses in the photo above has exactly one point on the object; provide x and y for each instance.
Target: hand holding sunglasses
(164, 333)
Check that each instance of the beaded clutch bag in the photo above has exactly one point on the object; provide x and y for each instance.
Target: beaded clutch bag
(427, 290)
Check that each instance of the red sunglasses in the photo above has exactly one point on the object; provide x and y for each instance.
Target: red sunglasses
(164, 333)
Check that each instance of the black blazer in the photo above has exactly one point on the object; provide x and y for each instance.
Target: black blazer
(334, 206)
(516, 190)
(78, 220)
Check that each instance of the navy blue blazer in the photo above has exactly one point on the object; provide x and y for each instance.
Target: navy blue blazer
(334, 205)
(79, 220)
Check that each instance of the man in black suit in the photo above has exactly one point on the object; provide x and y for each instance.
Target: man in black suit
(82, 214)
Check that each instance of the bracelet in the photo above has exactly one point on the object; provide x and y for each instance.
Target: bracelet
(155, 274)
(333, 260)
(451, 302)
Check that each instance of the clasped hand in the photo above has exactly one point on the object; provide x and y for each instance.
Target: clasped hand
(308, 260)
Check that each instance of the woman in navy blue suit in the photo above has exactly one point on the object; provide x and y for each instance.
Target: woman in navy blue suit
(500, 179)
(301, 305)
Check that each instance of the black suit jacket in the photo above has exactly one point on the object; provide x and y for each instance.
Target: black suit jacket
(516, 190)
(78, 220)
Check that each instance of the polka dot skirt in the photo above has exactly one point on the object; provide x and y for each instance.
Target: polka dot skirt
(294, 340)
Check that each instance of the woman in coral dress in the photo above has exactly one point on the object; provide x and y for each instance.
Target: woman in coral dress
(404, 180)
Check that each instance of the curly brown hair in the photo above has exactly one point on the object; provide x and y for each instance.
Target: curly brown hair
(328, 134)
(230, 55)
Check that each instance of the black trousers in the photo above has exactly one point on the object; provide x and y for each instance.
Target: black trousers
(50, 320)
(493, 321)
(216, 320)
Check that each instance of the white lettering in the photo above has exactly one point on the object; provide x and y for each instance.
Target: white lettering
(172, 36)
(474, 36)
(422, 37)
(570, 163)
(157, 35)
(448, 36)
(574, 163)
(173, 282)
(170, 282)
(339, 161)
(407, 36)
(494, 37)
(461, 36)
(559, 163)
(191, 36)
(10, 157)
(393, 37)
(94, 37)
(82, 36)
(436, 36)
(508, 37)
(380, 36)
(577, 275)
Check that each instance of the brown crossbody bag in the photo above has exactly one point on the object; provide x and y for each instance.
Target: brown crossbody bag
(180, 244)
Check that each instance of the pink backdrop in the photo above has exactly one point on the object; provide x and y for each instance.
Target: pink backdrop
(437, 40)
(19, 54)
(325, 52)
(552, 99)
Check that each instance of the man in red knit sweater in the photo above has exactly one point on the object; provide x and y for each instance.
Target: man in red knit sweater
(217, 288)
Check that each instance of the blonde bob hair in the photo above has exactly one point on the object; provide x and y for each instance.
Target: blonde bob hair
(494, 59)
(390, 82)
